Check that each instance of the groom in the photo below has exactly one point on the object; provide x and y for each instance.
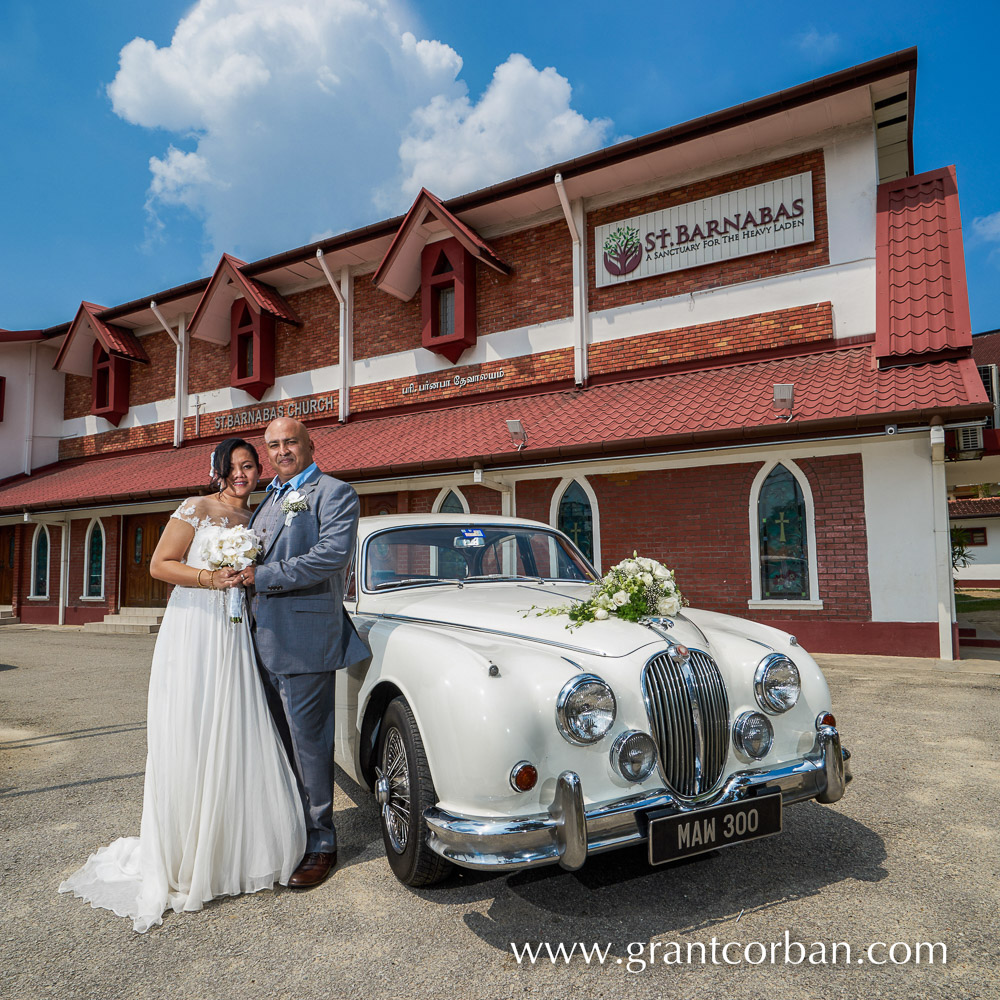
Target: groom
(308, 523)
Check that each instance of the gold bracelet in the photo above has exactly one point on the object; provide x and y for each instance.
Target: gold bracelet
(200, 584)
(211, 579)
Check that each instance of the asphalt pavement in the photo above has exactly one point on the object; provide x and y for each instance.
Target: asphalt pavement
(911, 854)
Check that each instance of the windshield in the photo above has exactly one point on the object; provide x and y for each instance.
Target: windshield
(449, 553)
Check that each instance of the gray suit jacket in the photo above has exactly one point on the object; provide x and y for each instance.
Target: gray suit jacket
(298, 605)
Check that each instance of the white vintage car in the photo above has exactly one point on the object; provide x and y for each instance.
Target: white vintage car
(498, 739)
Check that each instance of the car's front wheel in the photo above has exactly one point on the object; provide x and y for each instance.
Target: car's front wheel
(404, 789)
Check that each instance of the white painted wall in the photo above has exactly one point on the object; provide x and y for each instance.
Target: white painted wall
(899, 510)
(15, 364)
(986, 558)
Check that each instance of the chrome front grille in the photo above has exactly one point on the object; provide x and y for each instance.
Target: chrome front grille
(689, 714)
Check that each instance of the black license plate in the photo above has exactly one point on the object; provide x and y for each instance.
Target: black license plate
(680, 836)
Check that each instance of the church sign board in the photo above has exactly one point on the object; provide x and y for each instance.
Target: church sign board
(751, 220)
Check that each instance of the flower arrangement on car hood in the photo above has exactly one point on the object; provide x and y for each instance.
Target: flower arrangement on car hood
(237, 547)
(634, 589)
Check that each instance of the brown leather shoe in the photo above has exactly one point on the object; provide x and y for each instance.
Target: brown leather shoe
(312, 870)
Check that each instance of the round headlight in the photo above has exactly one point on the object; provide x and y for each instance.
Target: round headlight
(753, 734)
(585, 709)
(776, 684)
(634, 755)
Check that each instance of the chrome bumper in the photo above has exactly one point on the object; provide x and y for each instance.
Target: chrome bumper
(568, 832)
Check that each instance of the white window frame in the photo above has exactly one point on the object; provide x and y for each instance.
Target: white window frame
(48, 560)
(595, 514)
(756, 601)
(86, 558)
(443, 495)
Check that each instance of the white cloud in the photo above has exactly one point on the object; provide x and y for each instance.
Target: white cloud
(309, 116)
(987, 227)
(523, 121)
(818, 44)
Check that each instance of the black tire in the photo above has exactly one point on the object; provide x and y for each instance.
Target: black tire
(408, 791)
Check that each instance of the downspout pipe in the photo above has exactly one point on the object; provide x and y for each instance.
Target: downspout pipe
(942, 542)
(178, 372)
(29, 409)
(345, 324)
(64, 570)
(579, 281)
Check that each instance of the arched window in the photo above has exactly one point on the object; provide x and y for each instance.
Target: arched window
(451, 504)
(449, 565)
(94, 569)
(451, 500)
(575, 515)
(783, 536)
(40, 562)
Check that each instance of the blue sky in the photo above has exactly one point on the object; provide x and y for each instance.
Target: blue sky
(265, 124)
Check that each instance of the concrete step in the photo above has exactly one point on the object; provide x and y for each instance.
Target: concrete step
(133, 619)
(141, 611)
(121, 629)
(8, 619)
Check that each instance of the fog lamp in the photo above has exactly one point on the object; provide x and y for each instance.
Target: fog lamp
(523, 776)
(753, 735)
(633, 755)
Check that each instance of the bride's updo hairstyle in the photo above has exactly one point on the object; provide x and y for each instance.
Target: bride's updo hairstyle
(222, 459)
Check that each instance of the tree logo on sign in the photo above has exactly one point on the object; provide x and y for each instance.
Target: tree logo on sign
(622, 251)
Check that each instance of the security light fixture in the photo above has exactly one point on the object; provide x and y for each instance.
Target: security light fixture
(518, 435)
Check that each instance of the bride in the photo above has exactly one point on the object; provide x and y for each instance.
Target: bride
(221, 813)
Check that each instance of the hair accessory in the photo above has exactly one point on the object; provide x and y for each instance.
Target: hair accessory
(211, 467)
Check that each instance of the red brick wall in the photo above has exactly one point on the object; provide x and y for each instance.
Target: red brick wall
(118, 439)
(728, 272)
(759, 332)
(155, 381)
(382, 323)
(695, 521)
(540, 287)
(78, 610)
(315, 344)
(209, 366)
(534, 498)
(78, 396)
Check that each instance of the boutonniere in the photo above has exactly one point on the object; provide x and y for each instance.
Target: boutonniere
(292, 503)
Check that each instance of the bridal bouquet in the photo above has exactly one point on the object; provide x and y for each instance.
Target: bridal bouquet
(636, 588)
(235, 547)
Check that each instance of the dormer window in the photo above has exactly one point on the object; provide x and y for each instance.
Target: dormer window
(110, 385)
(251, 348)
(448, 298)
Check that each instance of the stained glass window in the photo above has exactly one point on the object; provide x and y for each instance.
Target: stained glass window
(784, 554)
(452, 504)
(40, 570)
(576, 518)
(95, 561)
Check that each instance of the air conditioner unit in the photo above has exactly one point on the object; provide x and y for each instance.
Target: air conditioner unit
(970, 441)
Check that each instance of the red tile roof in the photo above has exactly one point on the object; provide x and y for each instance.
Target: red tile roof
(974, 507)
(833, 389)
(263, 296)
(74, 355)
(986, 348)
(399, 271)
(922, 301)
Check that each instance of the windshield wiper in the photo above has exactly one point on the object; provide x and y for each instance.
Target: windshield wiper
(411, 581)
(500, 578)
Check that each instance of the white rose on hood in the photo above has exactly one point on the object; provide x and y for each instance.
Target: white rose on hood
(620, 598)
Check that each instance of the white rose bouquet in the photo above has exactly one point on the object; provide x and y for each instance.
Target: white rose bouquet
(236, 547)
(636, 588)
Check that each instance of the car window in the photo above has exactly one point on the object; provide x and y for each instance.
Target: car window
(437, 554)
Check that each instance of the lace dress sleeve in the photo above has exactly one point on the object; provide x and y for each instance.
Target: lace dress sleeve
(188, 512)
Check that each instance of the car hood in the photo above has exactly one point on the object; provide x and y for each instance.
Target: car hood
(512, 609)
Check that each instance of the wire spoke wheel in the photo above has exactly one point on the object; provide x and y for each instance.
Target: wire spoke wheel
(404, 790)
(396, 812)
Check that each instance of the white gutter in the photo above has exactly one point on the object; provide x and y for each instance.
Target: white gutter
(942, 542)
(575, 222)
(345, 296)
(29, 409)
(180, 371)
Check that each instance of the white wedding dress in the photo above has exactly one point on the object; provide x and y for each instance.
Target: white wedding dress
(221, 813)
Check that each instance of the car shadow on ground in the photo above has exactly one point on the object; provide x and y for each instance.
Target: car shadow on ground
(818, 848)
(8, 666)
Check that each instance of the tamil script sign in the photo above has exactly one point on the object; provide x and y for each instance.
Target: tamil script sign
(754, 219)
